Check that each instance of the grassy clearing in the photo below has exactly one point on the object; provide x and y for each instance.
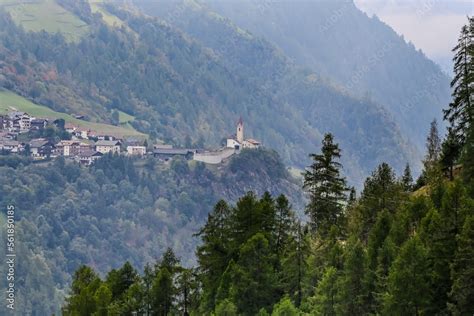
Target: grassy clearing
(112, 20)
(125, 118)
(10, 101)
(46, 15)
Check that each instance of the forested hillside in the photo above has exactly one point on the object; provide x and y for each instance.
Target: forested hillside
(398, 248)
(177, 87)
(119, 209)
(362, 54)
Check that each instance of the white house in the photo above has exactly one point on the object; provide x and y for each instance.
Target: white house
(106, 146)
(136, 150)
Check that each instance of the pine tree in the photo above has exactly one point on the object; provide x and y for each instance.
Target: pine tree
(468, 161)
(186, 288)
(381, 192)
(460, 112)
(254, 283)
(103, 297)
(450, 152)
(326, 188)
(352, 280)
(462, 272)
(82, 301)
(375, 273)
(226, 308)
(326, 299)
(214, 253)
(407, 179)
(162, 293)
(408, 281)
(432, 157)
(285, 225)
(285, 308)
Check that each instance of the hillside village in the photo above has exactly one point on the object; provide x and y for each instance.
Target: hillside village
(23, 134)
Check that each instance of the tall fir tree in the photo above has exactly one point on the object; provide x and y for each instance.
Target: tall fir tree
(460, 112)
(431, 168)
(214, 253)
(326, 187)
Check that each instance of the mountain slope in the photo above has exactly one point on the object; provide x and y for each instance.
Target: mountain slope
(179, 88)
(338, 41)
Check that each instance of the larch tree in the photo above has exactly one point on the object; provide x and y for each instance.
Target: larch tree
(326, 187)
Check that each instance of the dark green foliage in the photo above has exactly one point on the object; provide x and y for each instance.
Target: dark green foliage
(111, 212)
(408, 281)
(326, 188)
(381, 192)
(407, 179)
(460, 112)
(462, 272)
(450, 152)
(254, 283)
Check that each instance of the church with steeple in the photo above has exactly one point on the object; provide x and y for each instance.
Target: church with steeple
(238, 141)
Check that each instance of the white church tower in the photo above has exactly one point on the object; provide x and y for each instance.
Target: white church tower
(240, 131)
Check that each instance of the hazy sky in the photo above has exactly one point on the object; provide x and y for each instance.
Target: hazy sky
(431, 25)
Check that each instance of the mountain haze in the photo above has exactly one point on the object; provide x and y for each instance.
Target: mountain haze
(361, 54)
(189, 90)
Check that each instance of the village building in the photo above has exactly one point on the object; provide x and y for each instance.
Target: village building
(81, 133)
(135, 150)
(41, 148)
(18, 122)
(38, 124)
(87, 157)
(71, 147)
(70, 128)
(106, 146)
(11, 146)
(238, 141)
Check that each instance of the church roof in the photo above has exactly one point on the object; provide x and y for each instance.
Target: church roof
(241, 122)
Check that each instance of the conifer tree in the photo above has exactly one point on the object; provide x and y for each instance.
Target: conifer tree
(450, 152)
(285, 308)
(432, 157)
(285, 225)
(326, 187)
(214, 253)
(461, 112)
(407, 179)
(381, 192)
(408, 281)
(254, 280)
(468, 161)
(352, 280)
(326, 299)
(462, 272)
(162, 293)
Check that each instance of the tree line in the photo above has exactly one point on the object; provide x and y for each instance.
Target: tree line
(399, 248)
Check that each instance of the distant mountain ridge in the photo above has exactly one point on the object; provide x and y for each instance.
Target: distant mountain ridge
(338, 41)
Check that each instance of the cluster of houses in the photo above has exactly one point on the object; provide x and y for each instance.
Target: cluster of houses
(86, 146)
